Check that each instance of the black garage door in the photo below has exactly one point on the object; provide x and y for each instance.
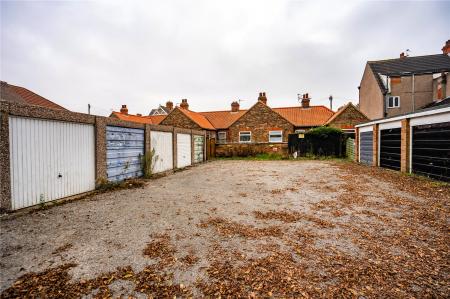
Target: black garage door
(390, 140)
(366, 147)
(431, 150)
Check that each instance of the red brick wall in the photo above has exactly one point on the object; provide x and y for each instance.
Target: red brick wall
(349, 118)
(178, 119)
(259, 120)
(405, 144)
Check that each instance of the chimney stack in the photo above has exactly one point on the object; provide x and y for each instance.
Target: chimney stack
(305, 101)
(235, 106)
(169, 105)
(262, 97)
(184, 104)
(138, 114)
(402, 55)
(446, 48)
(124, 109)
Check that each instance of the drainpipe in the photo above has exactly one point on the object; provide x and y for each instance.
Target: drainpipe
(412, 94)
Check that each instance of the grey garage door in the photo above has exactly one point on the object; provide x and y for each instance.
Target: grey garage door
(431, 150)
(390, 140)
(124, 152)
(366, 147)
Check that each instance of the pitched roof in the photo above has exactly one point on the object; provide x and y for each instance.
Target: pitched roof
(18, 94)
(154, 119)
(198, 118)
(222, 119)
(439, 103)
(305, 117)
(341, 110)
(428, 64)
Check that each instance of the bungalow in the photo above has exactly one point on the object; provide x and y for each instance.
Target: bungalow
(259, 129)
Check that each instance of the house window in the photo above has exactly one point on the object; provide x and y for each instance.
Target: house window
(275, 136)
(245, 137)
(222, 137)
(393, 102)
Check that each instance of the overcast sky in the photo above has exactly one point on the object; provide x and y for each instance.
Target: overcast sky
(143, 53)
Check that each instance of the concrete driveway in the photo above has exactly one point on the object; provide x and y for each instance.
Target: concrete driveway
(239, 228)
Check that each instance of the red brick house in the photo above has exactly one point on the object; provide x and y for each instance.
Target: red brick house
(259, 129)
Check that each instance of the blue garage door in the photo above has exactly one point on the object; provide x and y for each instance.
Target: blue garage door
(124, 152)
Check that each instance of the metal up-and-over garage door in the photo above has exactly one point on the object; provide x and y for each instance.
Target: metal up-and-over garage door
(49, 160)
(390, 146)
(199, 146)
(366, 147)
(431, 150)
(184, 154)
(124, 152)
(161, 143)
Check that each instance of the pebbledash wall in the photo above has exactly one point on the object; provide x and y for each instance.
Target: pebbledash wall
(417, 143)
(16, 120)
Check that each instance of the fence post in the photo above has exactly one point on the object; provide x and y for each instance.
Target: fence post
(100, 149)
(405, 145)
(5, 174)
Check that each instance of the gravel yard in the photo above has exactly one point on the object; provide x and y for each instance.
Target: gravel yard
(239, 228)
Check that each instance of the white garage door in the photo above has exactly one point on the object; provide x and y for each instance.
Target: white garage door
(161, 143)
(49, 160)
(184, 156)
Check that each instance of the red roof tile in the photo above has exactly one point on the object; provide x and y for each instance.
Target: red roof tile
(27, 96)
(132, 118)
(222, 119)
(305, 117)
(156, 119)
(198, 118)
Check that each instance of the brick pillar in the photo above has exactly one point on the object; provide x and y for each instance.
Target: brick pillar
(192, 148)
(100, 149)
(356, 151)
(375, 145)
(5, 175)
(174, 148)
(204, 146)
(147, 139)
(405, 146)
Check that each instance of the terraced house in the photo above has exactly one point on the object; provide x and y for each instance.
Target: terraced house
(259, 129)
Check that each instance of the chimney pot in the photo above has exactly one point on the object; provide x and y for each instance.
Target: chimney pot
(139, 114)
(169, 105)
(184, 104)
(235, 106)
(124, 109)
(402, 55)
(262, 97)
(305, 101)
(446, 48)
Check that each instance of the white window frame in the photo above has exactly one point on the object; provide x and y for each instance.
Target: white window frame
(249, 133)
(224, 139)
(277, 132)
(393, 101)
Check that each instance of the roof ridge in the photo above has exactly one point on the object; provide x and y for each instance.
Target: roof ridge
(391, 59)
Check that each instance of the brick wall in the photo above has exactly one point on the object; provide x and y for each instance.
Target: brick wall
(178, 119)
(348, 118)
(259, 120)
(246, 149)
(356, 145)
(405, 144)
(375, 145)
